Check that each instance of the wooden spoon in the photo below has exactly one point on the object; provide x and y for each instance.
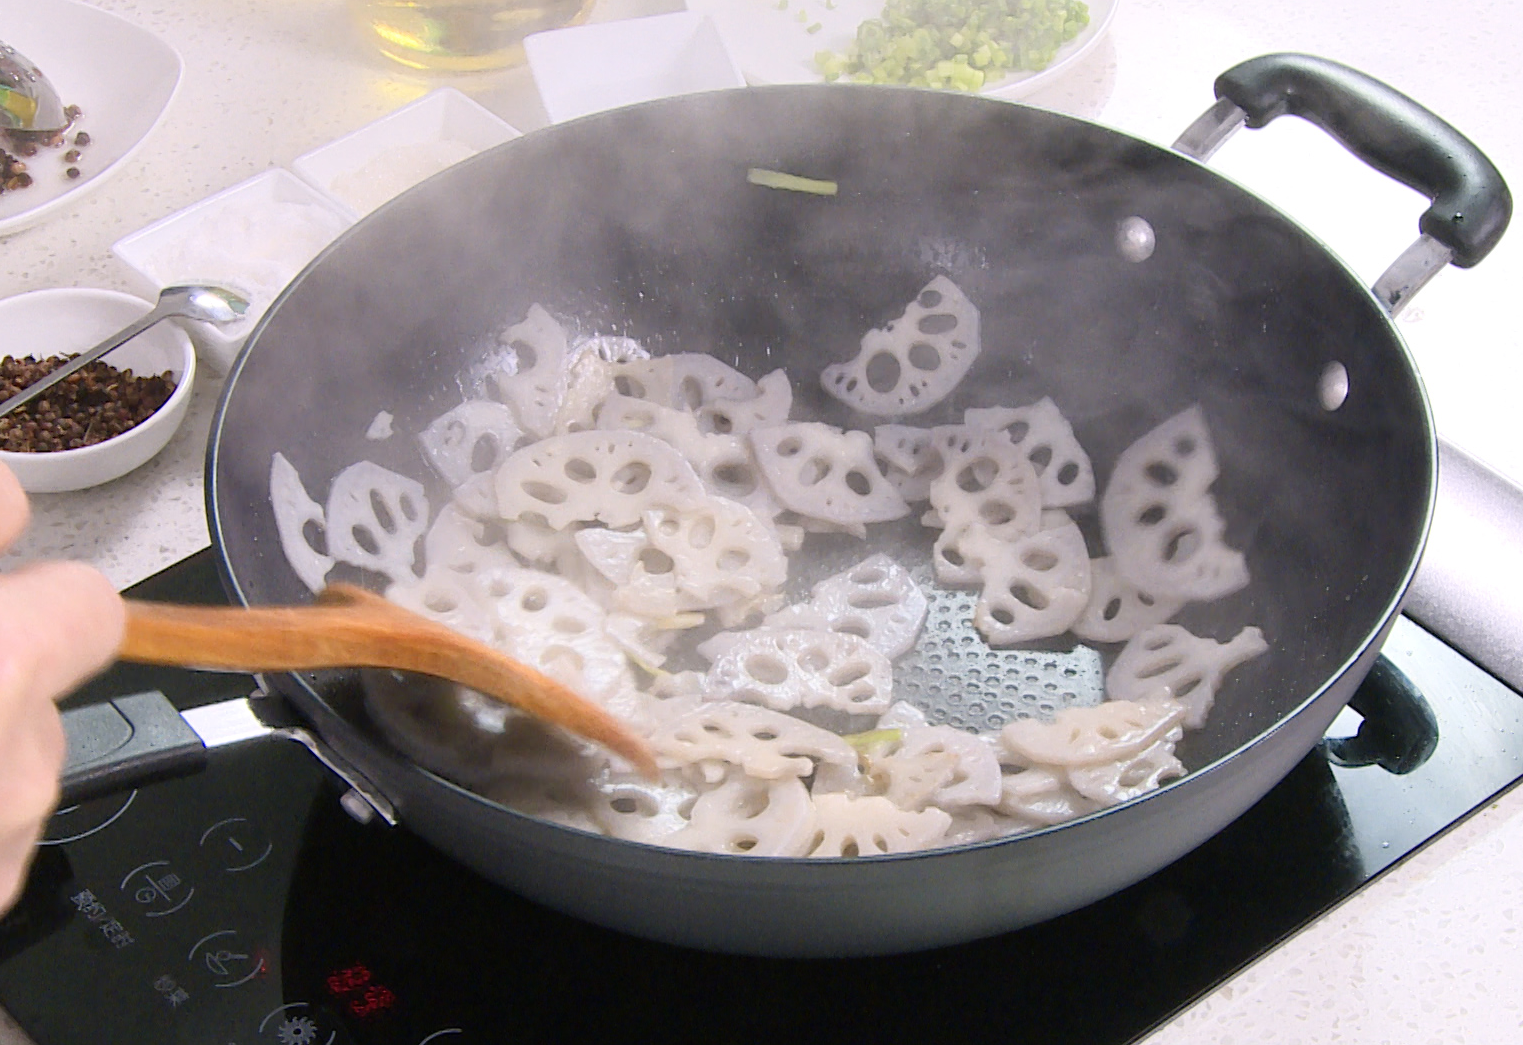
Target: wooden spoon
(351, 627)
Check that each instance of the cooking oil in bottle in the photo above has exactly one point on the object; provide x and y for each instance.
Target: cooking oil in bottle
(461, 36)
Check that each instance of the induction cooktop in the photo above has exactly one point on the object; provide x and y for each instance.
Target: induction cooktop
(244, 904)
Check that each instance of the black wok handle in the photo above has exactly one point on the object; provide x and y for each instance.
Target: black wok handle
(1390, 132)
(124, 742)
(128, 741)
(1399, 732)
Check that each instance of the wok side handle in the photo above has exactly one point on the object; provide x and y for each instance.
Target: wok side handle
(1471, 204)
(134, 740)
(129, 740)
(1399, 732)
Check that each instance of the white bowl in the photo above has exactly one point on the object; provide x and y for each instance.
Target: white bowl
(68, 320)
(252, 238)
(588, 68)
(369, 166)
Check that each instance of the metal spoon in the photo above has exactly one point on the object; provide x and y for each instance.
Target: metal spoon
(29, 103)
(206, 303)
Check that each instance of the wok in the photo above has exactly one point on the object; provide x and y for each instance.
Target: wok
(641, 222)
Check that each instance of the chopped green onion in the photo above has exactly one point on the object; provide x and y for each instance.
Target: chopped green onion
(959, 45)
(792, 182)
(873, 739)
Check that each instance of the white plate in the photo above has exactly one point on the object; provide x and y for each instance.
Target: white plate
(121, 76)
(589, 68)
(369, 166)
(772, 46)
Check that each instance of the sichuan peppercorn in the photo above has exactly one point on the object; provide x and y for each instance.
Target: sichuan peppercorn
(89, 406)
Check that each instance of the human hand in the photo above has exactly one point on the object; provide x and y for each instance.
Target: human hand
(60, 622)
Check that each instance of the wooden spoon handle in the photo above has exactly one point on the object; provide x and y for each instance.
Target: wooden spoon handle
(351, 627)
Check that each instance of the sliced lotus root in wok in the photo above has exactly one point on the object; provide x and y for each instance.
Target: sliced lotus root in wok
(973, 824)
(607, 477)
(871, 825)
(1167, 660)
(1043, 434)
(786, 668)
(1114, 730)
(449, 598)
(630, 807)
(589, 380)
(535, 543)
(682, 380)
(722, 552)
(985, 485)
(985, 481)
(724, 463)
(715, 555)
(672, 694)
(611, 348)
(470, 439)
(877, 600)
(550, 624)
(295, 510)
(750, 817)
(459, 544)
(905, 447)
(908, 458)
(613, 553)
(651, 593)
(641, 641)
(770, 406)
(766, 744)
(953, 567)
(940, 766)
(902, 715)
(477, 497)
(1159, 519)
(1034, 587)
(1042, 796)
(915, 361)
(792, 528)
(375, 517)
(1117, 608)
(1111, 783)
(824, 473)
(536, 389)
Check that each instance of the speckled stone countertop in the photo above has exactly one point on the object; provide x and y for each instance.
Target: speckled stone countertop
(1431, 952)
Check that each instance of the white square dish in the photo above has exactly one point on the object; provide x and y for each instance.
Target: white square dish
(366, 167)
(589, 68)
(252, 238)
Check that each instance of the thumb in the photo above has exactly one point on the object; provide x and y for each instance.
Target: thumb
(60, 623)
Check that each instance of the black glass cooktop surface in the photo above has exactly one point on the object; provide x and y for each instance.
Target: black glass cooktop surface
(243, 905)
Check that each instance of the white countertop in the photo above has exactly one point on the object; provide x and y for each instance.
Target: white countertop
(1433, 951)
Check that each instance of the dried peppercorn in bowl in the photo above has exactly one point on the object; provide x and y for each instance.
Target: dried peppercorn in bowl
(107, 419)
